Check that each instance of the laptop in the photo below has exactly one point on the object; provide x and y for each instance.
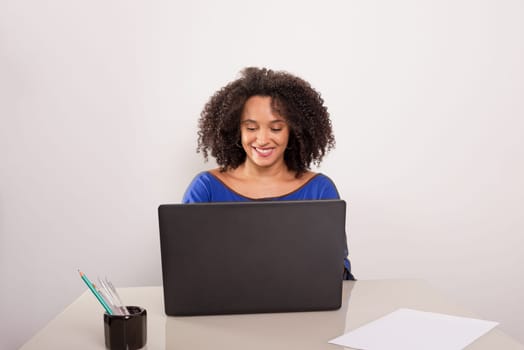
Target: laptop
(252, 257)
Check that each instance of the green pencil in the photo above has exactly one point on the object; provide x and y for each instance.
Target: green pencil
(95, 292)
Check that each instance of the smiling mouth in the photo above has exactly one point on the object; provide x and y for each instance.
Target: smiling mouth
(263, 152)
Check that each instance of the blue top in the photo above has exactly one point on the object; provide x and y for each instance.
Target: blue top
(205, 187)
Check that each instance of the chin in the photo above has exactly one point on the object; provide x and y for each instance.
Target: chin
(265, 163)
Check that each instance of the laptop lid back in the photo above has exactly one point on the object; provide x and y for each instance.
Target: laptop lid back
(252, 257)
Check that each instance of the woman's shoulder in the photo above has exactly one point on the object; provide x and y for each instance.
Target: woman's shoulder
(208, 176)
(205, 175)
(320, 178)
(322, 186)
(200, 188)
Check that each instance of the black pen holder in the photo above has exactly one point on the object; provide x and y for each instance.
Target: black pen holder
(126, 332)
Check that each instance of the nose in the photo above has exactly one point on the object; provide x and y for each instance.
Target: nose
(262, 136)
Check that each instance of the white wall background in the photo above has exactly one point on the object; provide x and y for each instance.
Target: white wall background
(99, 102)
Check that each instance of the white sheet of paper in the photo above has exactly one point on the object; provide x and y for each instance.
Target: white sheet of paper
(406, 329)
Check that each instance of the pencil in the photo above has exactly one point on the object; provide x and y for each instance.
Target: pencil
(94, 291)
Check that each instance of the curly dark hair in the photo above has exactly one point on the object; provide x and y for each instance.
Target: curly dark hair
(310, 136)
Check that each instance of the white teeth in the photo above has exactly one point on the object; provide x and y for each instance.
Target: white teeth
(263, 151)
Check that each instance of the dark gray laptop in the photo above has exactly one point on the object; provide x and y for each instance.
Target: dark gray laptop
(252, 257)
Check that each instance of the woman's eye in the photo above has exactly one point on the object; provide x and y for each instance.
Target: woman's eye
(251, 129)
(276, 130)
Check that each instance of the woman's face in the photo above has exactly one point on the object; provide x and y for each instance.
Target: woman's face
(264, 133)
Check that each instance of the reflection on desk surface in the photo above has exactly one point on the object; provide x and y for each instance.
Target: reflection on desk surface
(259, 331)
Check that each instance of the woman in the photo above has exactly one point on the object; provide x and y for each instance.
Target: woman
(264, 129)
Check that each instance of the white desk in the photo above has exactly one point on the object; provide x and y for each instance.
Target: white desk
(80, 325)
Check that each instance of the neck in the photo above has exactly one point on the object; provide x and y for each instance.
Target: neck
(250, 170)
